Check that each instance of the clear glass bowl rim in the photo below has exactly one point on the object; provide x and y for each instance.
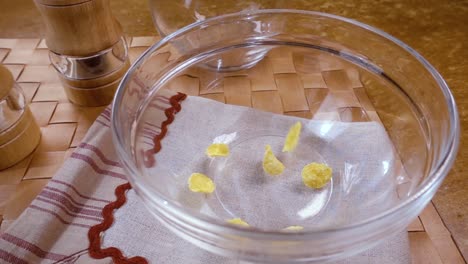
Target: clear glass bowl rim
(439, 173)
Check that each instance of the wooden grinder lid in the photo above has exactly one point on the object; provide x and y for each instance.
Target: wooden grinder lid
(6, 81)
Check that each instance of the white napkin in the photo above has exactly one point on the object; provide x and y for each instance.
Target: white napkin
(54, 228)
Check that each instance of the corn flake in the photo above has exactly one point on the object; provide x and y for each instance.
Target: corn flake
(238, 221)
(293, 228)
(271, 164)
(217, 150)
(199, 182)
(316, 175)
(292, 138)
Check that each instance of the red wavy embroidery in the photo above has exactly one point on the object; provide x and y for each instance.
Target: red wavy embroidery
(94, 233)
(170, 112)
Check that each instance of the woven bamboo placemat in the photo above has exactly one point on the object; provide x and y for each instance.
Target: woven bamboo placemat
(276, 79)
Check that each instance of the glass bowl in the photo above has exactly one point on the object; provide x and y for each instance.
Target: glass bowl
(371, 108)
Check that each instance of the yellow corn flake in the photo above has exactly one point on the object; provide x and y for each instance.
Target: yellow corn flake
(271, 164)
(316, 175)
(293, 228)
(238, 221)
(292, 138)
(201, 183)
(217, 150)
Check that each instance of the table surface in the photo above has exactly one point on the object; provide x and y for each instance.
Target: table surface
(63, 124)
(437, 29)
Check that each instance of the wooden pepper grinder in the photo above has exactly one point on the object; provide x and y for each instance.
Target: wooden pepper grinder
(86, 48)
(19, 132)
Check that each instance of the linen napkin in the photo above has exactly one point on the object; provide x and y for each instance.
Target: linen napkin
(54, 228)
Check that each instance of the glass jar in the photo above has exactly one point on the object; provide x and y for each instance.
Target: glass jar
(169, 16)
